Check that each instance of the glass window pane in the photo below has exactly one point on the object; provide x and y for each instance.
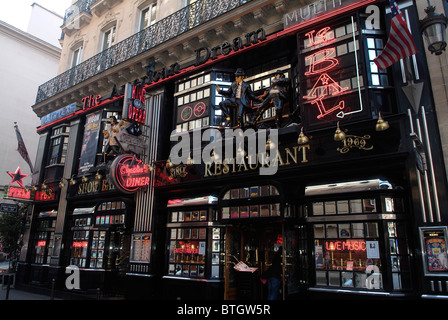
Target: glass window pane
(264, 210)
(318, 208)
(332, 230)
(342, 207)
(330, 207)
(375, 80)
(321, 278)
(319, 231)
(347, 279)
(371, 230)
(369, 205)
(334, 278)
(358, 230)
(355, 206)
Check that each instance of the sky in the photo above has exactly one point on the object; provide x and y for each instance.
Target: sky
(17, 12)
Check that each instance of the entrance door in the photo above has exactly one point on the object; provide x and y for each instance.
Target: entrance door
(254, 246)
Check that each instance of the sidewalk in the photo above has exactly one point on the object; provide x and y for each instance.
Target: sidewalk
(16, 294)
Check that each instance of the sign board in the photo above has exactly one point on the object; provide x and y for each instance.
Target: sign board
(9, 207)
(129, 173)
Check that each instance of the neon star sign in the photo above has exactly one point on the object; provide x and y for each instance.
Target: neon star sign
(320, 63)
(17, 176)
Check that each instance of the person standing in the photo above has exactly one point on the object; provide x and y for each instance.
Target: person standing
(274, 274)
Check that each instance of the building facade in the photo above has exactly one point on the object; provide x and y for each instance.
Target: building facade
(355, 202)
(28, 60)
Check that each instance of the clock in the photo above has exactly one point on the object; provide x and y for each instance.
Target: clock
(137, 103)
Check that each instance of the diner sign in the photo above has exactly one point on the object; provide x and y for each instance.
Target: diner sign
(129, 173)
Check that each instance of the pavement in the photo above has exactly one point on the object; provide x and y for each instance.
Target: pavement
(16, 294)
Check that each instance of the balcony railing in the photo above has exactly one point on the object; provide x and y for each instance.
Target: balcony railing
(77, 8)
(173, 25)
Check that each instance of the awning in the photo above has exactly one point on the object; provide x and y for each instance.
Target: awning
(192, 201)
(351, 186)
(83, 210)
(48, 214)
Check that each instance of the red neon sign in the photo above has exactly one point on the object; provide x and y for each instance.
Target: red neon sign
(345, 245)
(43, 196)
(188, 249)
(129, 174)
(80, 244)
(19, 193)
(319, 64)
(41, 243)
(17, 176)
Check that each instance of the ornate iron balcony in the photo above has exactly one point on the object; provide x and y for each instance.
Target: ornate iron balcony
(76, 8)
(173, 25)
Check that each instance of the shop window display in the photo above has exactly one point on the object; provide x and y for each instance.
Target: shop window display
(44, 241)
(195, 246)
(346, 254)
(348, 248)
(187, 252)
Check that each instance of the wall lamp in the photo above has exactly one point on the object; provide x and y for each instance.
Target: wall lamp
(433, 27)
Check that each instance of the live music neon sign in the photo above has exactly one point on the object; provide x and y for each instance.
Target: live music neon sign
(320, 64)
(346, 245)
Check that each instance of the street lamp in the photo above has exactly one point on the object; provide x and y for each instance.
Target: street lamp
(433, 27)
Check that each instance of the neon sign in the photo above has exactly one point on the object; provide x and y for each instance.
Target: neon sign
(41, 243)
(17, 176)
(347, 245)
(320, 63)
(90, 101)
(134, 103)
(80, 244)
(19, 193)
(187, 248)
(197, 111)
(129, 174)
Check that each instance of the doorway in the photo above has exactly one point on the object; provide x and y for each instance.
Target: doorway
(254, 246)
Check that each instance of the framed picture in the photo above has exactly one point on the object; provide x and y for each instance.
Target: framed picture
(434, 250)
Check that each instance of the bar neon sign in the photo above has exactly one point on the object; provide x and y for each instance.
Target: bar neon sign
(320, 63)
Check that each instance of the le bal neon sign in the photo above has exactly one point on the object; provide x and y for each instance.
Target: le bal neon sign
(320, 63)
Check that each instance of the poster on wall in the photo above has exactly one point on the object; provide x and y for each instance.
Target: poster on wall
(434, 247)
(89, 142)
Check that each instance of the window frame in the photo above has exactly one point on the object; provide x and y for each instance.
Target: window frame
(151, 10)
(109, 35)
(58, 140)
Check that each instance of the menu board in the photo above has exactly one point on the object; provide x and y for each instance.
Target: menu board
(141, 248)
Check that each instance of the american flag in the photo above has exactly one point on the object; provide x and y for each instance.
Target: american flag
(400, 43)
(22, 149)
